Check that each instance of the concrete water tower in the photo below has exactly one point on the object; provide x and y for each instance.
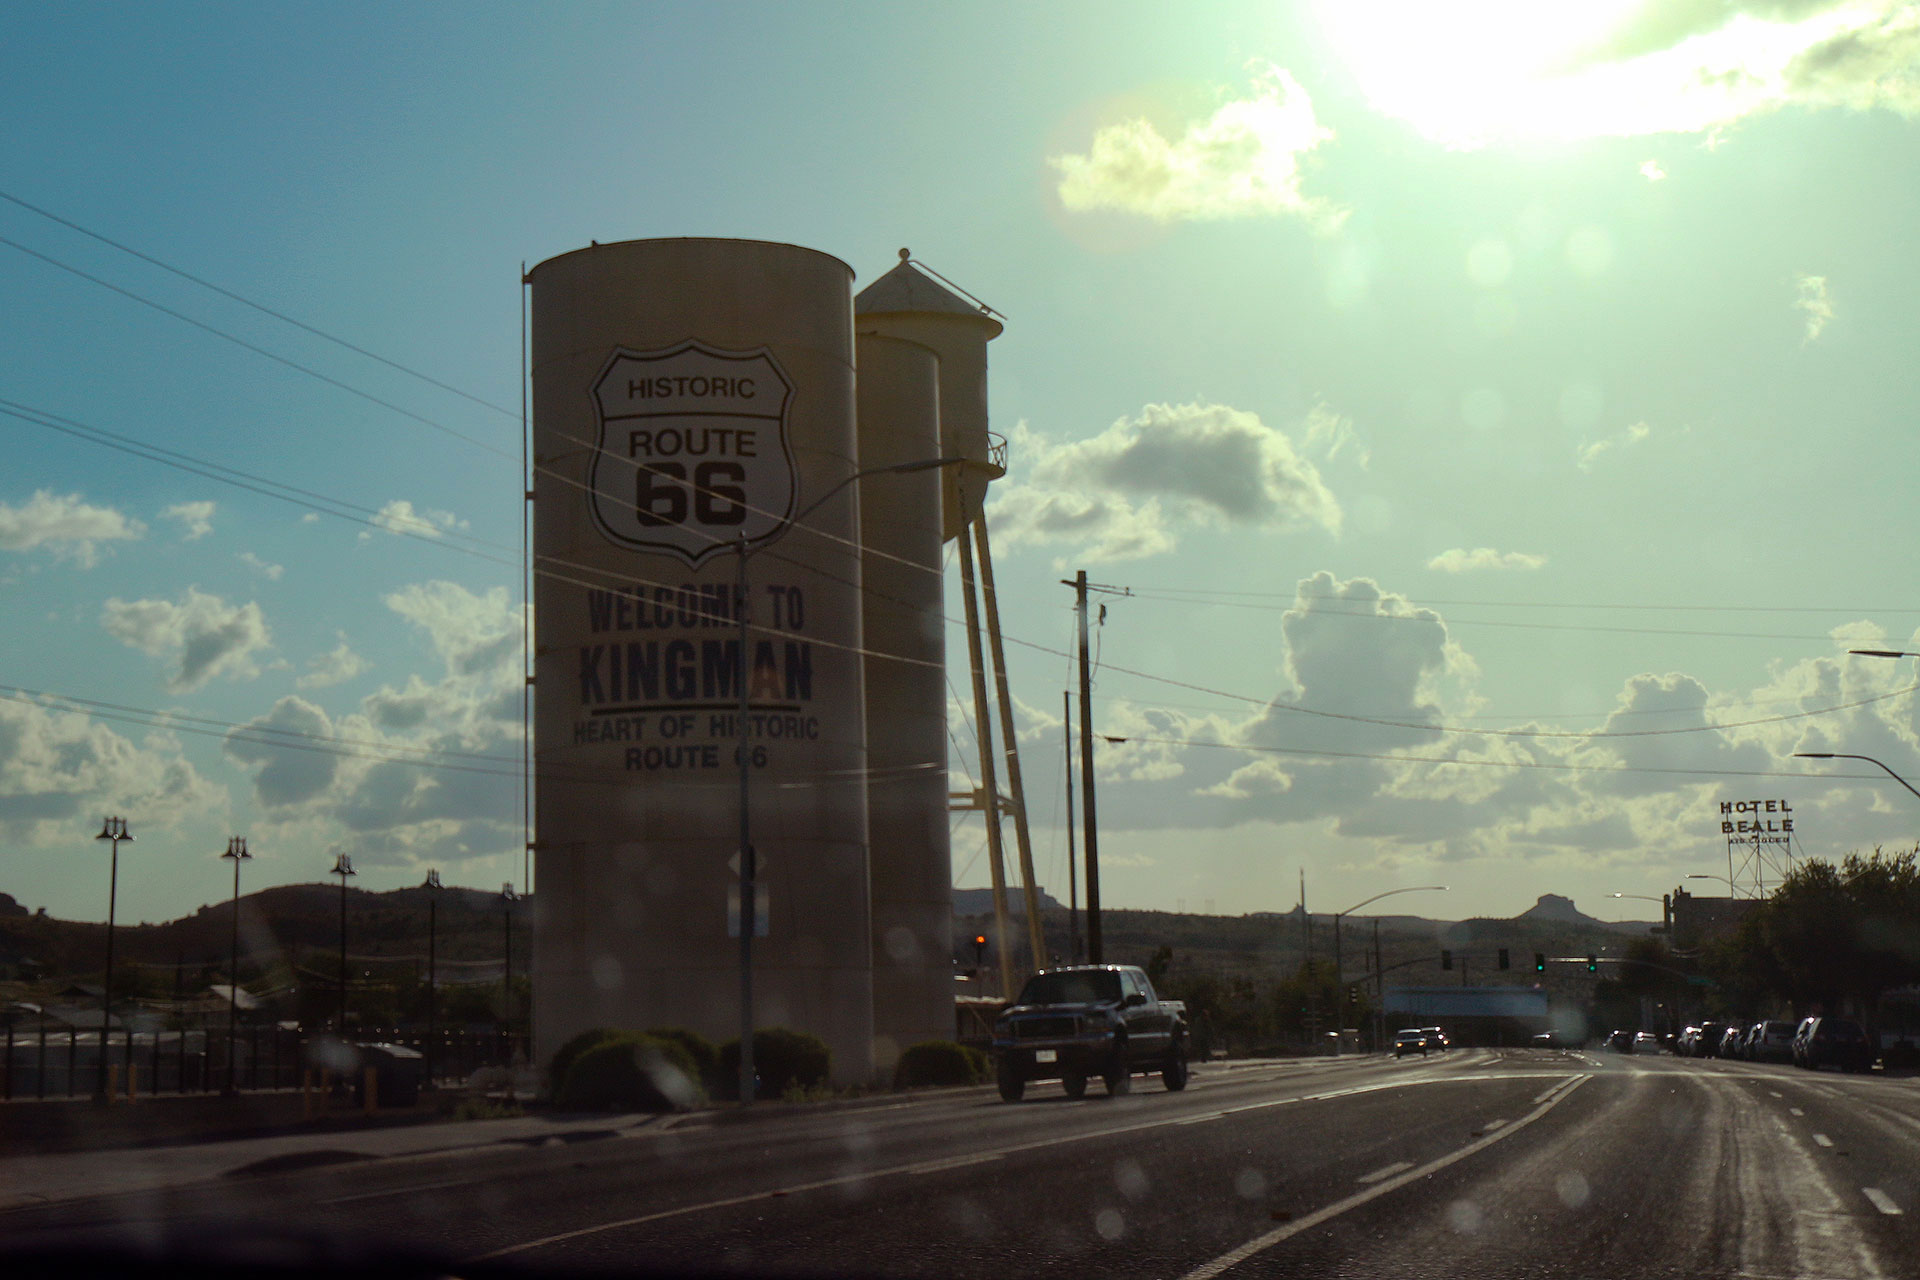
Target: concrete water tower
(909, 304)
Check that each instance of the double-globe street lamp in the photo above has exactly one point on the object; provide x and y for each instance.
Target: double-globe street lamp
(237, 854)
(749, 915)
(343, 867)
(432, 886)
(113, 830)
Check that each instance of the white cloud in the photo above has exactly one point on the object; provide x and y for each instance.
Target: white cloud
(430, 770)
(1591, 452)
(196, 519)
(1332, 434)
(400, 517)
(311, 517)
(60, 769)
(1460, 560)
(271, 572)
(1120, 494)
(201, 634)
(1815, 303)
(1241, 161)
(1470, 74)
(1652, 172)
(69, 525)
(336, 666)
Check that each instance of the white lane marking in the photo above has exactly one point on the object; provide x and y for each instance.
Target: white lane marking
(1881, 1201)
(1777, 1095)
(1823, 1139)
(1564, 1084)
(1491, 1125)
(1796, 1111)
(822, 1184)
(1396, 1167)
(956, 1162)
(1259, 1244)
(405, 1191)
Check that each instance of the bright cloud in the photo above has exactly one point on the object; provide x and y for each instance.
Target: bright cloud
(1460, 560)
(201, 635)
(70, 526)
(266, 569)
(195, 519)
(59, 769)
(400, 517)
(1241, 161)
(337, 666)
(1591, 452)
(1815, 304)
(1121, 494)
(1481, 71)
(1652, 172)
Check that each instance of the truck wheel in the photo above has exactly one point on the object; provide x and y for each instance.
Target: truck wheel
(1119, 1071)
(1013, 1085)
(1174, 1074)
(1075, 1083)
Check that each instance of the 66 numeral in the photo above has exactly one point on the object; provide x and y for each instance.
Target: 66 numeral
(661, 494)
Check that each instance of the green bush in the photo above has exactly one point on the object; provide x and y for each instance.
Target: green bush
(939, 1062)
(564, 1056)
(703, 1052)
(630, 1072)
(782, 1059)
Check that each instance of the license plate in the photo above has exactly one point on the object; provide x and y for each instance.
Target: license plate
(1046, 1055)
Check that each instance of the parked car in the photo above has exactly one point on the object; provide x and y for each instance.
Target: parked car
(1709, 1044)
(1840, 1042)
(1646, 1042)
(1688, 1045)
(1800, 1034)
(1772, 1042)
(1730, 1042)
(1437, 1039)
(1621, 1042)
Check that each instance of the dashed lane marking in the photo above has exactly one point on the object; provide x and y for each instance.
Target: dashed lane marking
(1881, 1201)
(1796, 1111)
(1823, 1139)
(1259, 1244)
(405, 1191)
(1775, 1094)
(1396, 1167)
(1491, 1125)
(957, 1162)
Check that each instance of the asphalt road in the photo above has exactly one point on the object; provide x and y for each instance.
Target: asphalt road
(1474, 1163)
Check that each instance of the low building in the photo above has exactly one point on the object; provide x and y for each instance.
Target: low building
(1472, 1015)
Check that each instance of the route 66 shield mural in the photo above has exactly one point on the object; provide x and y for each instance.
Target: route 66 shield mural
(693, 450)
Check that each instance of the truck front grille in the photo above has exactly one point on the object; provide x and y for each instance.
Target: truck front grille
(1045, 1028)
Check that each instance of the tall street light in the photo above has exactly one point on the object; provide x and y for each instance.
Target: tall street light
(507, 899)
(343, 867)
(749, 915)
(237, 854)
(114, 830)
(1418, 888)
(1842, 755)
(1708, 875)
(1666, 921)
(432, 886)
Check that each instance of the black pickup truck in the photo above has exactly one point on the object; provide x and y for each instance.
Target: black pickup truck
(1101, 1020)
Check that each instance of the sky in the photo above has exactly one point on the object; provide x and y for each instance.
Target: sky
(1499, 423)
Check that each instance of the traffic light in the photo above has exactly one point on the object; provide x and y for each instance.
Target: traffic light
(1353, 995)
(1504, 962)
(1446, 959)
(1593, 964)
(1539, 962)
(979, 950)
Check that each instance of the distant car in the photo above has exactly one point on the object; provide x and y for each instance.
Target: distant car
(1800, 1034)
(1689, 1042)
(1837, 1041)
(1621, 1042)
(1730, 1042)
(1412, 1040)
(1437, 1039)
(1708, 1045)
(1646, 1042)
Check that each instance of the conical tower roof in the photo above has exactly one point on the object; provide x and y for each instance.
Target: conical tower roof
(907, 289)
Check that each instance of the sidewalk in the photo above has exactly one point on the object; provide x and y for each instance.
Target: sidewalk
(51, 1178)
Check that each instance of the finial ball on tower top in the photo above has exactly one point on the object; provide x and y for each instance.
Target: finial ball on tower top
(905, 254)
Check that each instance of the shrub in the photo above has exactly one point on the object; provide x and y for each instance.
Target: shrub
(939, 1062)
(782, 1060)
(703, 1052)
(564, 1056)
(630, 1071)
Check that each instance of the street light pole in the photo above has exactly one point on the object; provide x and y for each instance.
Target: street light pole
(432, 886)
(343, 867)
(507, 899)
(237, 854)
(1842, 755)
(113, 830)
(749, 913)
(1417, 888)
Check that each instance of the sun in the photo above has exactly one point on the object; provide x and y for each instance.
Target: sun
(1473, 72)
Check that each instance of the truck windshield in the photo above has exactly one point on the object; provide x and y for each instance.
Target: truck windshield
(1071, 988)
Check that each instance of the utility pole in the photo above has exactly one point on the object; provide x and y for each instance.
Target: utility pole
(1073, 878)
(1095, 952)
(1379, 991)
